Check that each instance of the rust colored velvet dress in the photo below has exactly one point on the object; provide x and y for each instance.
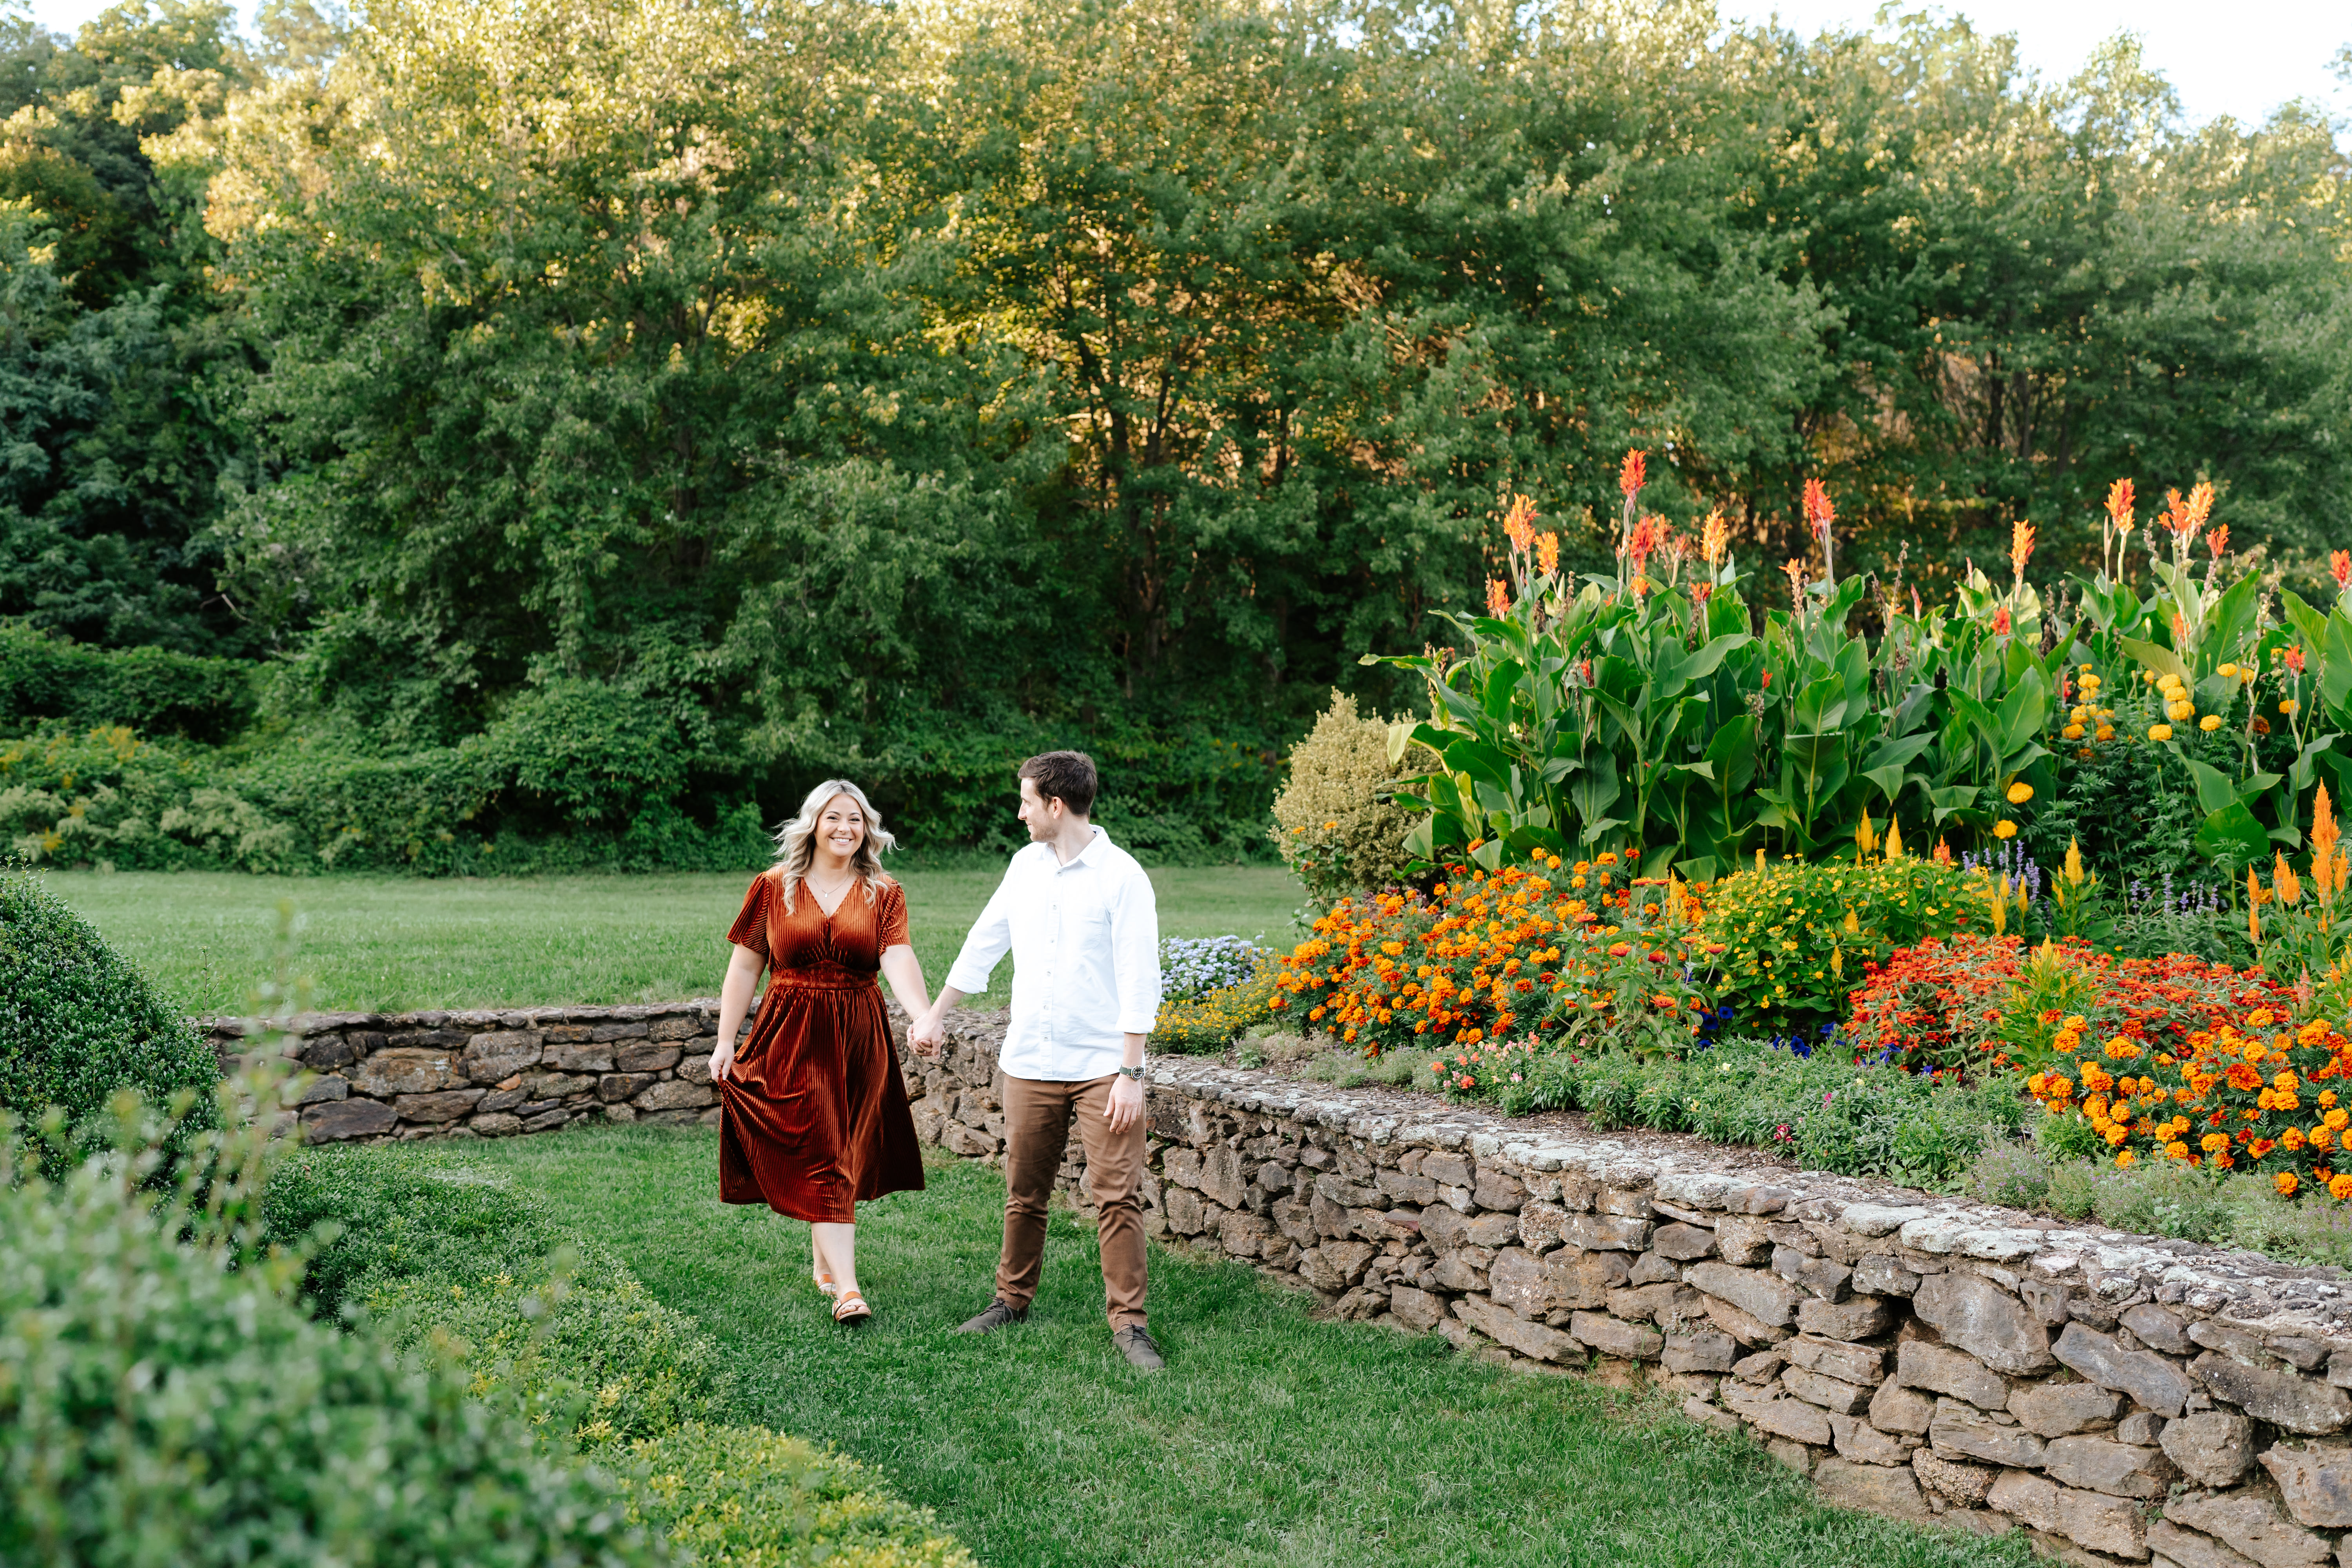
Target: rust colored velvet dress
(816, 1118)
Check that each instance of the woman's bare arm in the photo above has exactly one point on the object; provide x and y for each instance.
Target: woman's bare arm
(734, 1001)
(904, 970)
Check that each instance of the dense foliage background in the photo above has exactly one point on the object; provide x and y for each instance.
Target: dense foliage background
(586, 423)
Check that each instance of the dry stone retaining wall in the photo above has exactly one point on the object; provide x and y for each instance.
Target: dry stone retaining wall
(494, 1074)
(2125, 1399)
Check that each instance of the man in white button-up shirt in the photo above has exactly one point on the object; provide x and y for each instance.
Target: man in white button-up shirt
(1077, 913)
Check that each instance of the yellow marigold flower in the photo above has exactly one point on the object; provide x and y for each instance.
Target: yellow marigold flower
(2177, 1151)
(2020, 793)
(2285, 1183)
(2159, 732)
(2210, 722)
(2005, 829)
(2288, 705)
(2228, 672)
(2180, 713)
(2105, 732)
(2126, 1160)
(2071, 732)
(2214, 1142)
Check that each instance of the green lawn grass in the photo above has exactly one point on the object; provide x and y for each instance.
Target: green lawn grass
(1273, 1438)
(398, 943)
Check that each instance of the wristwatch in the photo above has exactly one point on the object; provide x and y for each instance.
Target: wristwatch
(1135, 1072)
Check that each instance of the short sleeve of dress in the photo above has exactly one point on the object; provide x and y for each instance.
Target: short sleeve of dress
(751, 927)
(892, 917)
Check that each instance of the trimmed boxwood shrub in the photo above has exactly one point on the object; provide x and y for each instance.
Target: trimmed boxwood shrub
(255, 1436)
(78, 1023)
(441, 1258)
(747, 1495)
(429, 1252)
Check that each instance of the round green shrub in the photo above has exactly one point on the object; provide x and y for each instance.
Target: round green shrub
(1332, 822)
(78, 1023)
(157, 1406)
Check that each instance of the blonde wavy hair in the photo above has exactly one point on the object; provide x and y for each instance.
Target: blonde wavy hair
(796, 840)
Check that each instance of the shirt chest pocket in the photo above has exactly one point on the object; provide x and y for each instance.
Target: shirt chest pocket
(1083, 916)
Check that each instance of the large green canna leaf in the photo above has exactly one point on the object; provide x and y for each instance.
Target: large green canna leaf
(2233, 839)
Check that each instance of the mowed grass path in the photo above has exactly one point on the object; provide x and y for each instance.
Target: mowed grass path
(1272, 1440)
(398, 943)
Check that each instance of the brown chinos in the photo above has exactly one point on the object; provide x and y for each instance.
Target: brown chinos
(1037, 1116)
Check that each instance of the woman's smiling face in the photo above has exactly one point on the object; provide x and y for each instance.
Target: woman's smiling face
(841, 827)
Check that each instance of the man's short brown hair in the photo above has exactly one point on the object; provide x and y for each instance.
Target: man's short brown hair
(1065, 777)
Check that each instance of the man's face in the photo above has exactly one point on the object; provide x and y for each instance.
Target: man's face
(1042, 816)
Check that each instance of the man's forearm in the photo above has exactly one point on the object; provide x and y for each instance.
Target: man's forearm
(1132, 1057)
(948, 997)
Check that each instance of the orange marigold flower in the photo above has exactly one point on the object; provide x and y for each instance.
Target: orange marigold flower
(2340, 1188)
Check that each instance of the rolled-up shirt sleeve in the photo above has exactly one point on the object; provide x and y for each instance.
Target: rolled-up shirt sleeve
(990, 938)
(1135, 954)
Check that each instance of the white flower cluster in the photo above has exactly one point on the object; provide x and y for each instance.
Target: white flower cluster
(1194, 967)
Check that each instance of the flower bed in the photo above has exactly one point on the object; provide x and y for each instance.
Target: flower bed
(1504, 965)
(2255, 1094)
(1211, 989)
(1796, 936)
(1976, 1003)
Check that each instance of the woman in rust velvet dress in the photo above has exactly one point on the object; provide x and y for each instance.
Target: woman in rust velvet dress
(815, 1118)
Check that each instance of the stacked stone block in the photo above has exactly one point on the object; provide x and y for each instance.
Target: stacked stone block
(375, 1076)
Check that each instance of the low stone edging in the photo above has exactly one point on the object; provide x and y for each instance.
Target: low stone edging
(497, 1073)
(2125, 1399)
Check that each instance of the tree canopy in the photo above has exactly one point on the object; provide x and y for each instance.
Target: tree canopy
(824, 382)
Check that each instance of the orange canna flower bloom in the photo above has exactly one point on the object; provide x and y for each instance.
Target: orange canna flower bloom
(2020, 544)
(1498, 596)
(1796, 570)
(1519, 522)
(1819, 512)
(2218, 542)
(2200, 506)
(1547, 554)
(2119, 503)
(1714, 535)
(2339, 566)
(1631, 478)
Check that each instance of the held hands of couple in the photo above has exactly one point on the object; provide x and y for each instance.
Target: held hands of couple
(929, 1033)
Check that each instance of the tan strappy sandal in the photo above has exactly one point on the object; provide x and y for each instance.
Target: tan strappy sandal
(851, 1308)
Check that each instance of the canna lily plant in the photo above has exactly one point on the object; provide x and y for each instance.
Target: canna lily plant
(1652, 712)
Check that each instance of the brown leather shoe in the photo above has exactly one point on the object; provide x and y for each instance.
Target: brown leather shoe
(1135, 1342)
(995, 1316)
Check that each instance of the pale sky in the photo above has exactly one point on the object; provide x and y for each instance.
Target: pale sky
(2241, 57)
